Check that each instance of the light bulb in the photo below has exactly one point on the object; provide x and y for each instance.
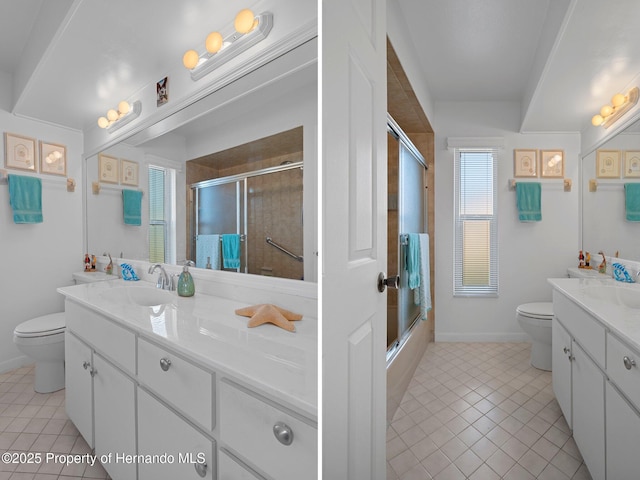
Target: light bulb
(124, 107)
(244, 21)
(112, 115)
(597, 120)
(213, 43)
(618, 99)
(190, 59)
(103, 122)
(606, 110)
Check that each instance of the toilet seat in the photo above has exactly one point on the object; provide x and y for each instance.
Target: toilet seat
(537, 310)
(44, 326)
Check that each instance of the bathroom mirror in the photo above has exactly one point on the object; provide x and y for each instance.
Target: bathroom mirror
(247, 167)
(604, 226)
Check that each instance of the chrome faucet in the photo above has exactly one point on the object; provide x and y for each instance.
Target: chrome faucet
(164, 282)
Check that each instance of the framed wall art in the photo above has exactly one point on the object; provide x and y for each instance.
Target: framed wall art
(608, 163)
(108, 171)
(552, 163)
(20, 152)
(631, 164)
(53, 158)
(525, 163)
(128, 172)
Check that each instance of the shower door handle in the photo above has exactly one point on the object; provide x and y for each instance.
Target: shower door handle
(384, 282)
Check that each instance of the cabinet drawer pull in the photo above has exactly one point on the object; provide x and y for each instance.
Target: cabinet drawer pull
(283, 433)
(201, 469)
(165, 363)
(628, 362)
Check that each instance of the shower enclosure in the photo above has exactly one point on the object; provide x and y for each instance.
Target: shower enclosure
(264, 208)
(406, 213)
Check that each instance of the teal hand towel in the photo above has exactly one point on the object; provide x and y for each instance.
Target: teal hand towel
(412, 259)
(231, 251)
(528, 196)
(632, 201)
(132, 207)
(425, 276)
(25, 198)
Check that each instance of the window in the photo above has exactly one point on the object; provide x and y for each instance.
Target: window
(161, 215)
(476, 228)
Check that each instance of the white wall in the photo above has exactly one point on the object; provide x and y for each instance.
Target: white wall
(38, 258)
(529, 253)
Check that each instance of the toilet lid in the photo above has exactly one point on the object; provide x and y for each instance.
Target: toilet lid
(41, 326)
(536, 310)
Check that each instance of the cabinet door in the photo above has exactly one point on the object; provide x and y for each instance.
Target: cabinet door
(79, 398)
(623, 425)
(115, 417)
(588, 411)
(160, 431)
(561, 368)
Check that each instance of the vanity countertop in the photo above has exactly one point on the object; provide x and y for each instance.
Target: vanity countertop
(620, 319)
(206, 329)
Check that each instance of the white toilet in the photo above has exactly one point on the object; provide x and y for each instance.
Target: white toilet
(42, 339)
(535, 319)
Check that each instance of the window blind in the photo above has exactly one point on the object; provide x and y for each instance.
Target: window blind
(475, 222)
(157, 217)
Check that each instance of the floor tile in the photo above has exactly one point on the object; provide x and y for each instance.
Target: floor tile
(486, 414)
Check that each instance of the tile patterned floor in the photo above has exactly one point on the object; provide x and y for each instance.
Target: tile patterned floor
(37, 423)
(479, 411)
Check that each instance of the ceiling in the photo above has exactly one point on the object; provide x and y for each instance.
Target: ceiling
(70, 60)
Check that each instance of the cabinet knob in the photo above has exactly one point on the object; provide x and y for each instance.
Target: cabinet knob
(628, 362)
(86, 365)
(283, 433)
(201, 469)
(165, 363)
(93, 372)
(565, 350)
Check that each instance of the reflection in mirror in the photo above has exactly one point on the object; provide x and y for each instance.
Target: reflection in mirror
(243, 196)
(604, 224)
(245, 147)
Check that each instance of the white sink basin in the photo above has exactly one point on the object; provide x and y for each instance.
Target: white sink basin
(627, 295)
(143, 296)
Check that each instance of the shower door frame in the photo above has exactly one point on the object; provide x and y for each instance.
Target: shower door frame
(404, 141)
(241, 207)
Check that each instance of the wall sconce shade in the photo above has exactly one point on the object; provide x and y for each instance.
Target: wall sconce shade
(118, 118)
(620, 104)
(220, 50)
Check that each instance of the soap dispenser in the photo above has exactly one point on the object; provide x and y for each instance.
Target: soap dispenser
(186, 288)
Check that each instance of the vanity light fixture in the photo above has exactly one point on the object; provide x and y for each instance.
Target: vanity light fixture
(249, 29)
(120, 117)
(620, 104)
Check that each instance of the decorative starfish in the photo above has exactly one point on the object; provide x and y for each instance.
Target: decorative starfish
(267, 313)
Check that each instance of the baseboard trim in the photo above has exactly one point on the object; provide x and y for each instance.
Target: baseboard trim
(14, 363)
(482, 337)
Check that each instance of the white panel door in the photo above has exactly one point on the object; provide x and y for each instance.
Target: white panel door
(561, 368)
(354, 178)
(79, 394)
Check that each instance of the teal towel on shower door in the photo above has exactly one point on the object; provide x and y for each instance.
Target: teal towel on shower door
(528, 197)
(231, 250)
(25, 198)
(412, 259)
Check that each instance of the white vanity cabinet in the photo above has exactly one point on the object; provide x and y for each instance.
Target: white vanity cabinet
(601, 392)
(187, 391)
(579, 341)
(100, 398)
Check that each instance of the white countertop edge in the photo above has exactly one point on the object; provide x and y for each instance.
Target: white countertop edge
(622, 321)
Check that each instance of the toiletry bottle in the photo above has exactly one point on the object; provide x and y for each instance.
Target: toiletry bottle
(186, 288)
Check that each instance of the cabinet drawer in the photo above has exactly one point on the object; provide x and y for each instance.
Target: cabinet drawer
(186, 386)
(179, 446)
(246, 427)
(583, 327)
(627, 380)
(230, 469)
(110, 339)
